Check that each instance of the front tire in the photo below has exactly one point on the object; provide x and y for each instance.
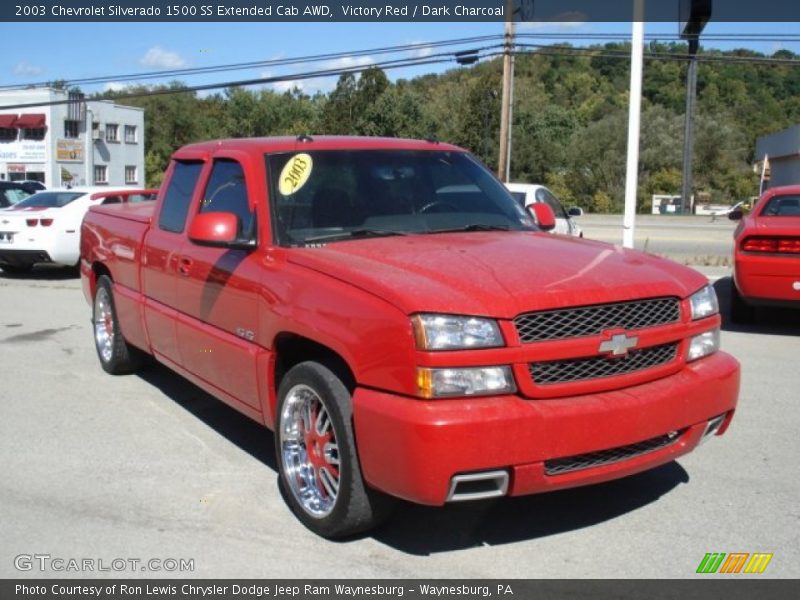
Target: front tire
(317, 458)
(116, 355)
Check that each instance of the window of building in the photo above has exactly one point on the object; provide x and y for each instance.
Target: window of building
(178, 196)
(227, 192)
(112, 132)
(34, 134)
(130, 174)
(71, 129)
(130, 134)
(8, 134)
(100, 174)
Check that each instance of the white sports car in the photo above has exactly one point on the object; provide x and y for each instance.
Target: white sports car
(46, 227)
(529, 193)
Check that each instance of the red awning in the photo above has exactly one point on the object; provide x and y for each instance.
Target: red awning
(30, 121)
(8, 121)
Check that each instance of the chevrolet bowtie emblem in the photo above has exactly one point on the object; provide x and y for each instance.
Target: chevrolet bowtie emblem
(618, 345)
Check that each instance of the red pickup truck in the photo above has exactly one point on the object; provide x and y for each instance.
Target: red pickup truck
(404, 327)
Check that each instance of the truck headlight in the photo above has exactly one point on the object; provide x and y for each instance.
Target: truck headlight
(703, 345)
(472, 381)
(704, 303)
(451, 332)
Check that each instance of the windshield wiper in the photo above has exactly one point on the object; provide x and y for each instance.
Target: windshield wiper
(471, 227)
(355, 233)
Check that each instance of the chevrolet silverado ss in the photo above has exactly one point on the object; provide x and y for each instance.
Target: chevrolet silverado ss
(403, 326)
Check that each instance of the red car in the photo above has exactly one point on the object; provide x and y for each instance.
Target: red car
(766, 255)
(403, 325)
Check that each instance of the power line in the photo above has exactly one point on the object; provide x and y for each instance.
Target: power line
(549, 50)
(278, 62)
(767, 37)
(386, 65)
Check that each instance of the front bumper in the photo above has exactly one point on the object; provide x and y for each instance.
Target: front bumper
(412, 448)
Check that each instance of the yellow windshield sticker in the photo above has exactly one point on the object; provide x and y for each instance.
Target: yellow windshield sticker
(295, 174)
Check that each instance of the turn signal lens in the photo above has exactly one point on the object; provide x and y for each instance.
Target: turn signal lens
(703, 345)
(449, 383)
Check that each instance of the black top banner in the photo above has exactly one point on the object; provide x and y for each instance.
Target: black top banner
(396, 10)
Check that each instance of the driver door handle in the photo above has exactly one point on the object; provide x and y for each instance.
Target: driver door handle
(185, 266)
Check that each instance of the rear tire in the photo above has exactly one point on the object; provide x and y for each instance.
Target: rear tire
(741, 312)
(320, 475)
(116, 355)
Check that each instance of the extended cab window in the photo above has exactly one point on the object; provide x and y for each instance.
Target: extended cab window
(226, 192)
(178, 196)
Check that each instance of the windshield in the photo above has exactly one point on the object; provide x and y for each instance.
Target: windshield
(347, 194)
(49, 199)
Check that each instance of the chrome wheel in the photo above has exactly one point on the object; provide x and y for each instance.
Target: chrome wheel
(103, 324)
(309, 451)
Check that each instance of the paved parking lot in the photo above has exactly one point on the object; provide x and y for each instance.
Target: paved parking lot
(148, 466)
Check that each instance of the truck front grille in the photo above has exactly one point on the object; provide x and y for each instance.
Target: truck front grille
(559, 466)
(594, 320)
(580, 369)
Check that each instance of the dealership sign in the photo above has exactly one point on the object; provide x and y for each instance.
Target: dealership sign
(24, 151)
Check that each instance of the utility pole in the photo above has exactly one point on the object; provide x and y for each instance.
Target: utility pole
(634, 118)
(504, 156)
(693, 15)
(688, 129)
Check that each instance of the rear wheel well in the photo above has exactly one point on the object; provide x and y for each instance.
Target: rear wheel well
(291, 350)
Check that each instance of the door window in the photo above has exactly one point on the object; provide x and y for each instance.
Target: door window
(226, 192)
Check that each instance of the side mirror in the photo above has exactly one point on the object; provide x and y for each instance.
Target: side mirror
(575, 212)
(736, 215)
(215, 229)
(544, 215)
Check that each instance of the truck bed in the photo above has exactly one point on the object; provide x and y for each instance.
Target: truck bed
(136, 211)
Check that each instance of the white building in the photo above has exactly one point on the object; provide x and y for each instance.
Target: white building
(782, 151)
(49, 143)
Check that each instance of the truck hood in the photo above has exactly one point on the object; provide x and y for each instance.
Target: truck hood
(498, 274)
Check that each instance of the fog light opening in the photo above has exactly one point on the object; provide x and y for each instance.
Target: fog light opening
(478, 486)
(712, 427)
